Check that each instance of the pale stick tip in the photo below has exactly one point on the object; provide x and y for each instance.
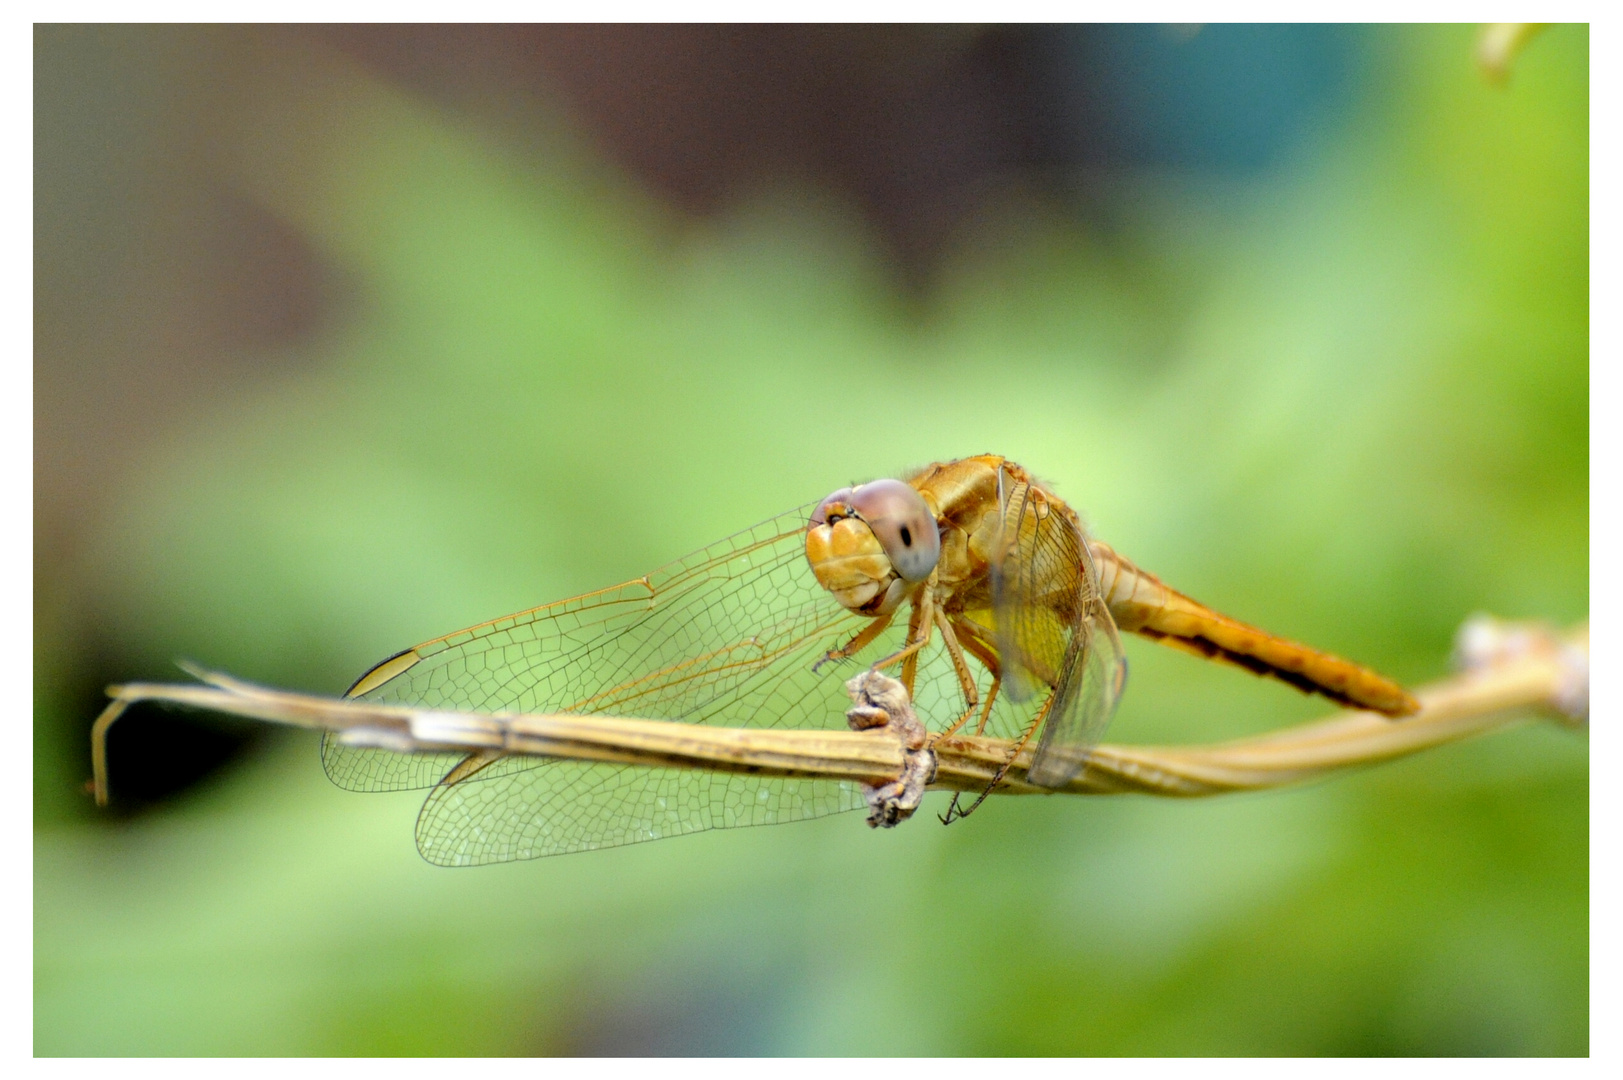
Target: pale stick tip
(1499, 45)
(1485, 643)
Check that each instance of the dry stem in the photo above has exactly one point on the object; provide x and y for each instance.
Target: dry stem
(1510, 669)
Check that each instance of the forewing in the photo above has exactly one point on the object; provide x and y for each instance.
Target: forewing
(1054, 633)
(726, 635)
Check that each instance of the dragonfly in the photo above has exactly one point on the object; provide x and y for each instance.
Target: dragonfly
(972, 580)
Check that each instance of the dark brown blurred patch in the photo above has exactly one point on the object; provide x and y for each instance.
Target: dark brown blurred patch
(912, 123)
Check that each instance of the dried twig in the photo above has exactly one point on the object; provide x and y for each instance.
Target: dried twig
(1510, 668)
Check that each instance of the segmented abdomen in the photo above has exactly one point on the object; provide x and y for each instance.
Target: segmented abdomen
(1140, 602)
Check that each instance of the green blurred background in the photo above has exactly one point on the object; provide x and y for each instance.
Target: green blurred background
(349, 337)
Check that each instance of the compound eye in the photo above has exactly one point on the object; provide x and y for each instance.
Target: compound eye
(901, 522)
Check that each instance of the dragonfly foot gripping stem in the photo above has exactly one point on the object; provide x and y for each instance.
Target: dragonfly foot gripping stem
(882, 702)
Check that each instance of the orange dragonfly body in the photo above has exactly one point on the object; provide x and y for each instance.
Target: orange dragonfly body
(1011, 629)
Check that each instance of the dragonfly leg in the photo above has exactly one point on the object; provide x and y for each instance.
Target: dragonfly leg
(910, 666)
(977, 647)
(863, 639)
(918, 633)
(960, 666)
(954, 813)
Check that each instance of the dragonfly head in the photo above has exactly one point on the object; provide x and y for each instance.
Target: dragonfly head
(873, 545)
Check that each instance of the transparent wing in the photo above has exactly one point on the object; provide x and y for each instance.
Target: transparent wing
(592, 652)
(566, 806)
(357, 769)
(1054, 633)
(728, 635)
(1083, 708)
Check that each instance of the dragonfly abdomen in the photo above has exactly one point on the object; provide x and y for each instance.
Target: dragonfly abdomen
(1141, 603)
